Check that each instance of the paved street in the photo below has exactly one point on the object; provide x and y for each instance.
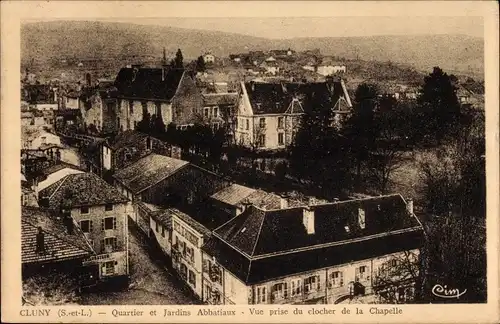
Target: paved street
(151, 282)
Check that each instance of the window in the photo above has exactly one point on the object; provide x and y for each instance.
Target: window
(247, 124)
(361, 273)
(183, 271)
(109, 223)
(192, 278)
(311, 284)
(296, 287)
(279, 290)
(262, 141)
(206, 265)
(109, 268)
(206, 112)
(262, 122)
(84, 210)
(281, 139)
(163, 231)
(131, 107)
(44, 139)
(216, 112)
(148, 143)
(109, 244)
(157, 227)
(336, 279)
(280, 122)
(108, 207)
(261, 295)
(86, 226)
(394, 262)
(215, 126)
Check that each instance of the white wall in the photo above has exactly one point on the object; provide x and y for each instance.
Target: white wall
(56, 176)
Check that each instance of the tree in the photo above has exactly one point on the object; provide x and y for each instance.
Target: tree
(144, 125)
(157, 126)
(386, 155)
(200, 64)
(360, 129)
(398, 278)
(438, 107)
(318, 153)
(178, 61)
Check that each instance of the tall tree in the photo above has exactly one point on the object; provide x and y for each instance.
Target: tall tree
(179, 60)
(144, 125)
(360, 129)
(318, 153)
(439, 109)
(200, 64)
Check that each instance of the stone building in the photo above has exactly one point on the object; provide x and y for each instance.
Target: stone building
(101, 213)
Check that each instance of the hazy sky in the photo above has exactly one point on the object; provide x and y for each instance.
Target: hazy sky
(323, 26)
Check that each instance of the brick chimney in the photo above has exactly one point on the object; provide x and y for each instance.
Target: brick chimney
(308, 220)
(409, 205)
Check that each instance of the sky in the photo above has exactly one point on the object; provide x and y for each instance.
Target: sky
(290, 27)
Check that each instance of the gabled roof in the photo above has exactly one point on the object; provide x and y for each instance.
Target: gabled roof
(148, 171)
(148, 83)
(82, 189)
(127, 138)
(59, 245)
(263, 239)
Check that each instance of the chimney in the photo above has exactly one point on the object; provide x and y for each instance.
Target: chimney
(308, 220)
(409, 205)
(310, 201)
(40, 240)
(361, 218)
(283, 202)
(68, 222)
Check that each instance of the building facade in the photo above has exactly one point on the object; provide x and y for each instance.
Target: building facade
(101, 213)
(268, 115)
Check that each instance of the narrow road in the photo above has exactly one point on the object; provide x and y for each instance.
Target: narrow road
(151, 281)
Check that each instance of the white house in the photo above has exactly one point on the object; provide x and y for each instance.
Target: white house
(209, 58)
(35, 139)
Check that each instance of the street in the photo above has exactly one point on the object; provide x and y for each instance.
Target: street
(151, 282)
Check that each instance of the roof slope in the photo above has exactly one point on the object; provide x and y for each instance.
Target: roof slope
(82, 189)
(59, 245)
(233, 194)
(148, 83)
(148, 171)
(220, 99)
(126, 138)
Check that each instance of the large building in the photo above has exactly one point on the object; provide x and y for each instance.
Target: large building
(268, 115)
(101, 213)
(332, 252)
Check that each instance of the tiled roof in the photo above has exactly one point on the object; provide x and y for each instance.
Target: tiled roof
(148, 171)
(233, 194)
(126, 138)
(265, 236)
(85, 189)
(59, 245)
(59, 166)
(219, 99)
(148, 83)
(158, 213)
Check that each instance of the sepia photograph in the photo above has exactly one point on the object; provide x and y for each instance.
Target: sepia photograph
(281, 160)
